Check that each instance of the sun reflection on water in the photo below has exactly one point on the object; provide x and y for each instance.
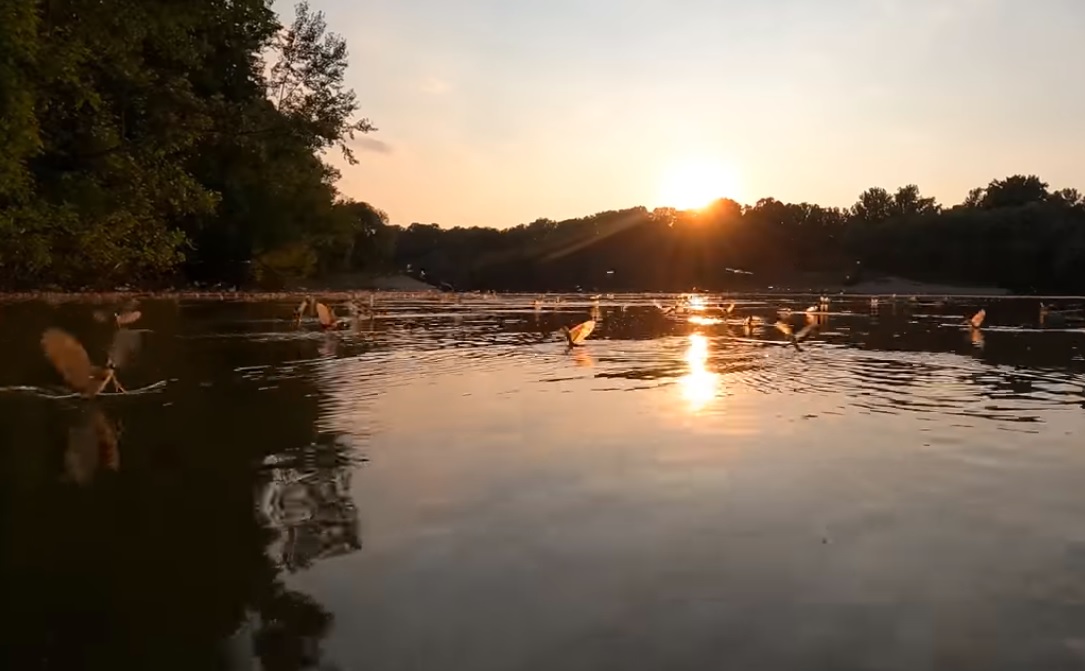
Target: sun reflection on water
(583, 359)
(704, 321)
(699, 386)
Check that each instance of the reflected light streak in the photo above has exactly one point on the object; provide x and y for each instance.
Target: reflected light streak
(700, 385)
(696, 303)
(704, 321)
(583, 359)
(977, 338)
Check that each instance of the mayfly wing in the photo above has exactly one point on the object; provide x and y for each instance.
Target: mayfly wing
(69, 358)
(324, 314)
(126, 318)
(124, 346)
(580, 332)
(806, 331)
(977, 319)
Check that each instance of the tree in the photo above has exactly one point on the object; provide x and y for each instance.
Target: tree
(139, 135)
(974, 198)
(874, 205)
(306, 84)
(116, 116)
(19, 131)
(1068, 197)
(1014, 191)
(908, 202)
(278, 197)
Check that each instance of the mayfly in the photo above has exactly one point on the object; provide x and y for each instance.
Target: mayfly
(70, 360)
(299, 311)
(796, 338)
(125, 315)
(1058, 318)
(579, 333)
(977, 319)
(974, 331)
(327, 318)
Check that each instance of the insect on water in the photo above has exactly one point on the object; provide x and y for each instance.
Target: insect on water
(70, 359)
(795, 338)
(576, 335)
(328, 320)
(122, 316)
(299, 311)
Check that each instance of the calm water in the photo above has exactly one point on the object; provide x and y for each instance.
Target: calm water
(449, 488)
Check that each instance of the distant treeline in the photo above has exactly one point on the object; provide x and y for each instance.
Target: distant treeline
(160, 143)
(1014, 233)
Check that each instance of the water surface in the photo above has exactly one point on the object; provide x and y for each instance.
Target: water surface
(447, 486)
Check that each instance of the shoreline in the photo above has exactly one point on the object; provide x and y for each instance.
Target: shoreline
(406, 286)
(328, 296)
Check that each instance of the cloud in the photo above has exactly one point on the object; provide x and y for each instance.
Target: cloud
(375, 146)
(434, 86)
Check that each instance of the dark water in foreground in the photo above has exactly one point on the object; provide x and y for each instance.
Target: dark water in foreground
(449, 488)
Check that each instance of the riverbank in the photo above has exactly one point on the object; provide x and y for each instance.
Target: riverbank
(338, 288)
(351, 288)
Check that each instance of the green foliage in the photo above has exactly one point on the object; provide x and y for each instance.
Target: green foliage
(306, 84)
(276, 268)
(140, 135)
(19, 132)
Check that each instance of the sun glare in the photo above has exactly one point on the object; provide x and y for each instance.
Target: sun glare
(691, 185)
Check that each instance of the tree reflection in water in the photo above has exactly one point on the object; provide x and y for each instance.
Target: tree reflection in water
(306, 498)
(151, 555)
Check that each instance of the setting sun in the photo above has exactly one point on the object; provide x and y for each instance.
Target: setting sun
(691, 185)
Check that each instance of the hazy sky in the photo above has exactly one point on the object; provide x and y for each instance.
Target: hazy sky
(496, 112)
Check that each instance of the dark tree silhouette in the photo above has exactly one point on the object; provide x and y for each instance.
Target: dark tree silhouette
(1014, 233)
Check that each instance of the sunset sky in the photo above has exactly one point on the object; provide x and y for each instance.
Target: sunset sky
(495, 113)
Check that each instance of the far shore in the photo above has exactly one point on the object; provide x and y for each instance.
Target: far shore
(344, 290)
(335, 289)
(905, 287)
(890, 286)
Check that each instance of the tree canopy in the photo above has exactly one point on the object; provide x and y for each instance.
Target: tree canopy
(143, 139)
